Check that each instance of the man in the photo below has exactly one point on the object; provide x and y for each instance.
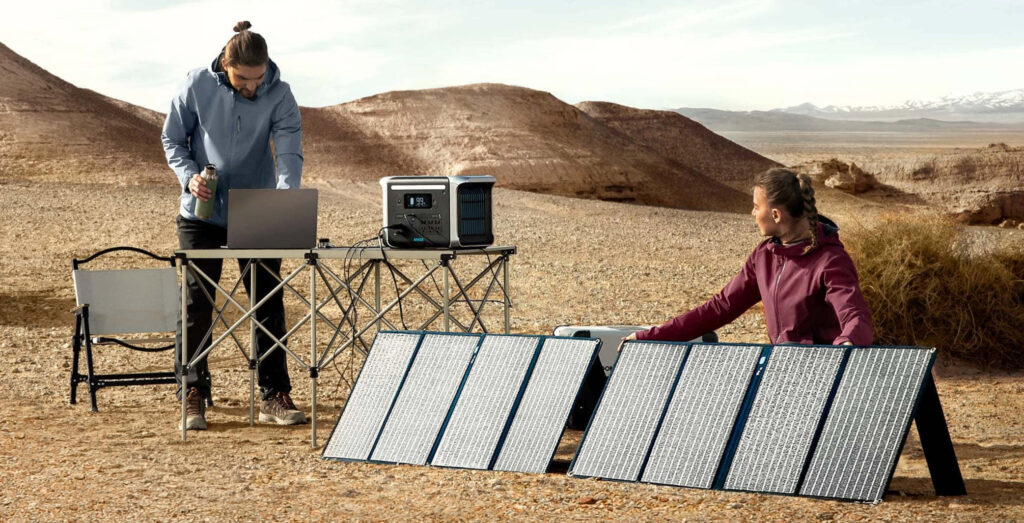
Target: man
(227, 114)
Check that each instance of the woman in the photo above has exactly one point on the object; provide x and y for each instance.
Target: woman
(227, 114)
(801, 273)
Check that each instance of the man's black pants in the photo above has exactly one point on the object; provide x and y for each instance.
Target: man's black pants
(273, 371)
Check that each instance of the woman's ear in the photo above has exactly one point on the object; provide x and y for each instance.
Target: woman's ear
(776, 216)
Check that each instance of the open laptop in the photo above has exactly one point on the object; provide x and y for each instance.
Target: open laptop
(272, 218)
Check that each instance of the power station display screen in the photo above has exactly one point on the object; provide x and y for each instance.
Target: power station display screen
(419, 201)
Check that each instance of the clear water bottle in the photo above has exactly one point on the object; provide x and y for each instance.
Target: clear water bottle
(204, 210)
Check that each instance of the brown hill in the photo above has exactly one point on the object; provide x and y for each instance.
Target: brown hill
(50, 129)
(683, 140)
(528, 139)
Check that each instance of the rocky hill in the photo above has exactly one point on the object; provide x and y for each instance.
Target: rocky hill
(50, 129)
(684, 141)
(530, 140)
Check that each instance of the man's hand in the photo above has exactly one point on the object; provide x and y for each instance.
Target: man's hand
(197, 186)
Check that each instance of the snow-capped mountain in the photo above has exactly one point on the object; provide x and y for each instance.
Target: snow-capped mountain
(1002, 107)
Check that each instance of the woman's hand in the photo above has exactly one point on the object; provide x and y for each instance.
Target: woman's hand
(631, 337)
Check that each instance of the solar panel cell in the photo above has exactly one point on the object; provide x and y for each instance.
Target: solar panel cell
(867, 424)
(620, 433)
(701, 415)
(485, 403)
(538, 423)
(372, 396)
(784, 417)
(426, 398)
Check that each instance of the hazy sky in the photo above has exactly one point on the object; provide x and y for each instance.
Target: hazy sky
(726, 54)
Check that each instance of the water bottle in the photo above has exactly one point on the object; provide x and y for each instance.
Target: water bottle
(204, 210)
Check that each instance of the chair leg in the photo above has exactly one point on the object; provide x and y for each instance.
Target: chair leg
(76, 347)
(88, 365)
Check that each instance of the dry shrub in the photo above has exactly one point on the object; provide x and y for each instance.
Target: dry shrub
(995, 162)
(926, 288)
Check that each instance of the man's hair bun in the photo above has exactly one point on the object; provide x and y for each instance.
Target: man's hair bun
(242, 26)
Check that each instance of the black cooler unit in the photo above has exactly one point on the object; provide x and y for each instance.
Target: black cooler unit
(424, 212)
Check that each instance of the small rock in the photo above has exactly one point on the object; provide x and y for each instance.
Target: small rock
(586, 500)
(734, 505)
(826, 516)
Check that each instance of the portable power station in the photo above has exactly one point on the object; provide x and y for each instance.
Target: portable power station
(437, 211)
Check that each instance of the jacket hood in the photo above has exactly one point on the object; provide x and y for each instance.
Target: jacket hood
(828, 235)
(272, 76)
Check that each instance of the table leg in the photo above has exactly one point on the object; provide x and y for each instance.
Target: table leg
(376, 281)
(507, 293)
(444, 301)
(312, 345)
(252, 344)
(183, 269)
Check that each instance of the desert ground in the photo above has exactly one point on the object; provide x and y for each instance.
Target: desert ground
(578, 262)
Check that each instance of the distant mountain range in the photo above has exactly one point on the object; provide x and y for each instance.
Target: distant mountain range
(998, 107)
(1004, 109)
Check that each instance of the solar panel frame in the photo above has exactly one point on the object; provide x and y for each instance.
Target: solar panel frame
(901, 435)
(671, 378)
(471, 395)
(679, 413)
(745, 460)
(562, 417)
(328, 446)
(395, 452)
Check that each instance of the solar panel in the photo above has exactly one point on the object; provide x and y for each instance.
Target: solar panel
(783, 419)
(868, 423)
(482, 410)
(372, 395)
(620, 433)
(701, 415)
(550, 392)
(426, 398)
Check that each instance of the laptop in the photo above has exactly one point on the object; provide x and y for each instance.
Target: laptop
(272, 218)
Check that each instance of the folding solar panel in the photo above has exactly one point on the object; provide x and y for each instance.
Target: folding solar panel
(484, 406)
(624, 424)
(701, 415)
(426, 398)
(783, 419)
(551, 389)
(372, 395)
(867, 424)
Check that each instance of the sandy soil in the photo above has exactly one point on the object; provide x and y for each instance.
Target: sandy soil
(579, 262)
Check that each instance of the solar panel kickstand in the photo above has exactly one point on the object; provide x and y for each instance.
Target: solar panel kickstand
(936, 443)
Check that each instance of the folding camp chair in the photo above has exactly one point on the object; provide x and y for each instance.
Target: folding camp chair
(115, 303)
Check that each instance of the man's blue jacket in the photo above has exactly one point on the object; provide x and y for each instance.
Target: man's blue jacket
(210, 123)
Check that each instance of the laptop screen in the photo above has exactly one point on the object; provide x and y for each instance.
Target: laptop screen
(272, 218)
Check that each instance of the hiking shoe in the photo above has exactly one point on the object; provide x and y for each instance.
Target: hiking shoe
(195, 411)
(280, 409)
